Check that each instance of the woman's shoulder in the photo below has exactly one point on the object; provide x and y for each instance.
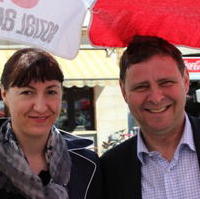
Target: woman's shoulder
(75, 142)
(79, 146)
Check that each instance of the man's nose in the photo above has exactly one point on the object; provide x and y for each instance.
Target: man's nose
(156, 95)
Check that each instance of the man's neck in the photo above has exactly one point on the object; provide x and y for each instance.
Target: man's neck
(165, 144)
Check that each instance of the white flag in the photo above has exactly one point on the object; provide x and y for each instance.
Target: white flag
(53, 25)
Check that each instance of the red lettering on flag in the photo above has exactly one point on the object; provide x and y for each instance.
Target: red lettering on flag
(25, 3)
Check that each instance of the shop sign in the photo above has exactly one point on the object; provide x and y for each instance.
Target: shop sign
(192, 64)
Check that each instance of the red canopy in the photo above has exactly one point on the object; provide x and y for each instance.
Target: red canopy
(114, 22)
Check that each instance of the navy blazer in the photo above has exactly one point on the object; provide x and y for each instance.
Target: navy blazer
(86, 178)
(122, 169)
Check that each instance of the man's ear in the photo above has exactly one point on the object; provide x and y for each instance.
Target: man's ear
(122, 86)
(186, 80)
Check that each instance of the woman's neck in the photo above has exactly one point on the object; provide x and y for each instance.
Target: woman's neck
(34, 151)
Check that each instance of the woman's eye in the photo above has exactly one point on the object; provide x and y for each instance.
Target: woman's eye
(52, 92)
(27, 92)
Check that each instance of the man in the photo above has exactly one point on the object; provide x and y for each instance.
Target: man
(162, 161)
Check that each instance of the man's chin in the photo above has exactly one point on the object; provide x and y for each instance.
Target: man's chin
(157, 129)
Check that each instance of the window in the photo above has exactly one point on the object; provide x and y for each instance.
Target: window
(77, 109)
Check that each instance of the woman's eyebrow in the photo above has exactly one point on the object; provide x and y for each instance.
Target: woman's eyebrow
(53, 86)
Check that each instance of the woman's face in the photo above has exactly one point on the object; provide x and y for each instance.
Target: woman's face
(34, 108)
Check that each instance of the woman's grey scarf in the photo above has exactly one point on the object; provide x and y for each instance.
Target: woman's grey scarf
(14, 166)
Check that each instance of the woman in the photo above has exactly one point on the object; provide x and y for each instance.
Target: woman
(37, 160)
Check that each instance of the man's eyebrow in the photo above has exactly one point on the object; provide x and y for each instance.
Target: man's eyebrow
(141, 83)
(158, 81)
(166, 79)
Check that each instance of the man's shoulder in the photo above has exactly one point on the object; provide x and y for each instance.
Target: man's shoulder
(193, 118)
(121, 151)
(195, 123)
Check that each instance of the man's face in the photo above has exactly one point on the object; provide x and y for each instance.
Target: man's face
(155, 92)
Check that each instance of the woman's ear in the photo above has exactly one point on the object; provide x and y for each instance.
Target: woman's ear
(3, 94)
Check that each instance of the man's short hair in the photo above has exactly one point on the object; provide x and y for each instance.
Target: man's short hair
(143, 48)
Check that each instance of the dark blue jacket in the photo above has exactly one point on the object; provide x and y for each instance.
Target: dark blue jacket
(122, 169)
(85, 181)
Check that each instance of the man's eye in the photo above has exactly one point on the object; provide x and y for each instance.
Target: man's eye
(167, 83)
(140, 88)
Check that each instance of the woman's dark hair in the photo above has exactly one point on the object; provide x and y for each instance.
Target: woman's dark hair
(30, 64)
(143, 48)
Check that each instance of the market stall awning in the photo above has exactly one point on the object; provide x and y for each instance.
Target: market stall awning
(89, 68)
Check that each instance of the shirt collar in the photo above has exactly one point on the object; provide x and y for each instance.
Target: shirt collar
(186, 140)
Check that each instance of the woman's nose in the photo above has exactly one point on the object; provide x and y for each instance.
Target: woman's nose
(40, 104)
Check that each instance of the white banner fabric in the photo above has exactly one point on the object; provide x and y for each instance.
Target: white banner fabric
(53, 25)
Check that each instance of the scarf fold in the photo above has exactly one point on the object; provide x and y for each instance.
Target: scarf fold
(15, 167)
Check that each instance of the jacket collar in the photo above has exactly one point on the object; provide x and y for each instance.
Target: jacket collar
(135, 168)
(195, 123)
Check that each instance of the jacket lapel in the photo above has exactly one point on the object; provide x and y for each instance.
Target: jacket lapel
(132, 172)
(195, 123)
(80, 177)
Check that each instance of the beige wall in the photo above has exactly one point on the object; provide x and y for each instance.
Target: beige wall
(111, 112)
